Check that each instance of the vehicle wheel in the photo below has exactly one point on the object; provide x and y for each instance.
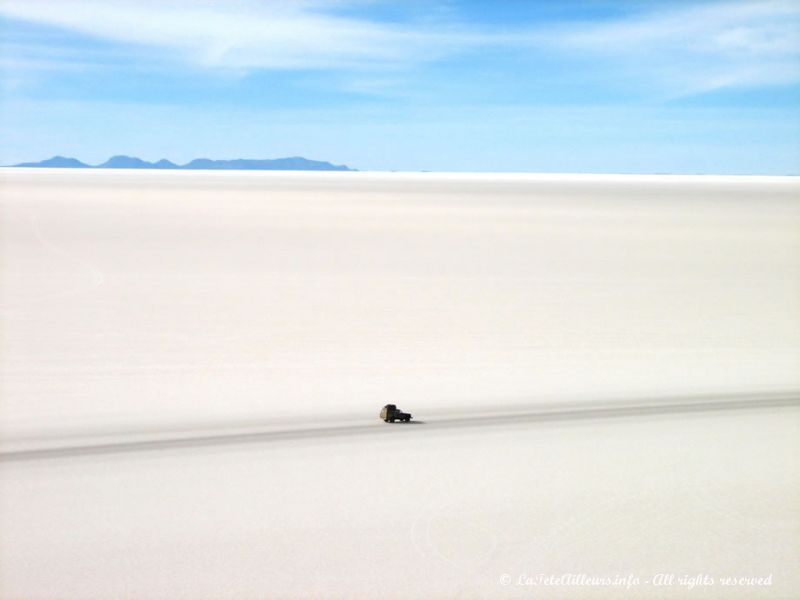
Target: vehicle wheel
(386, 420)
(407, 419)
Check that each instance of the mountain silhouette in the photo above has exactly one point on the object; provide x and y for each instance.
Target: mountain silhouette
(293, 163)
(125, 162)
(165, 164)
(57, 162)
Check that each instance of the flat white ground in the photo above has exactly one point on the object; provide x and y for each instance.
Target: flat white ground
(191, 366)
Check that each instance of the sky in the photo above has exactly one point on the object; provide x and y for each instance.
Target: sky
(592, 86)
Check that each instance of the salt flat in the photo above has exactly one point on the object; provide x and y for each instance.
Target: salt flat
(193, 362)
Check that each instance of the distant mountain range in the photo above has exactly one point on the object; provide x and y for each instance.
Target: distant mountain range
(294, 163)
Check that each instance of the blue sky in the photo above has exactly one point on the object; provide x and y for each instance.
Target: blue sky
(571, 86)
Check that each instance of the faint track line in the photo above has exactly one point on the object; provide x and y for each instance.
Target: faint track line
(97, 275)
(451, 421)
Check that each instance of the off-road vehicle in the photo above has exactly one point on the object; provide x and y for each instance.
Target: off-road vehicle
(390, 413)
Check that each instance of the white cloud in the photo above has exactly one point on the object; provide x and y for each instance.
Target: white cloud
(678, 50)
(242, 34)
(690, 49)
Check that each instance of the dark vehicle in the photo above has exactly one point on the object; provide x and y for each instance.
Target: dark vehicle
(390, 413)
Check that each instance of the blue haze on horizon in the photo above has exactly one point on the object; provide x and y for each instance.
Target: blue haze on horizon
(446, 85)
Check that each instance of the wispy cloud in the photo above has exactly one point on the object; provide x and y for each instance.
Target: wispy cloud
(695, 48)
(674, 49)
(245, 34)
